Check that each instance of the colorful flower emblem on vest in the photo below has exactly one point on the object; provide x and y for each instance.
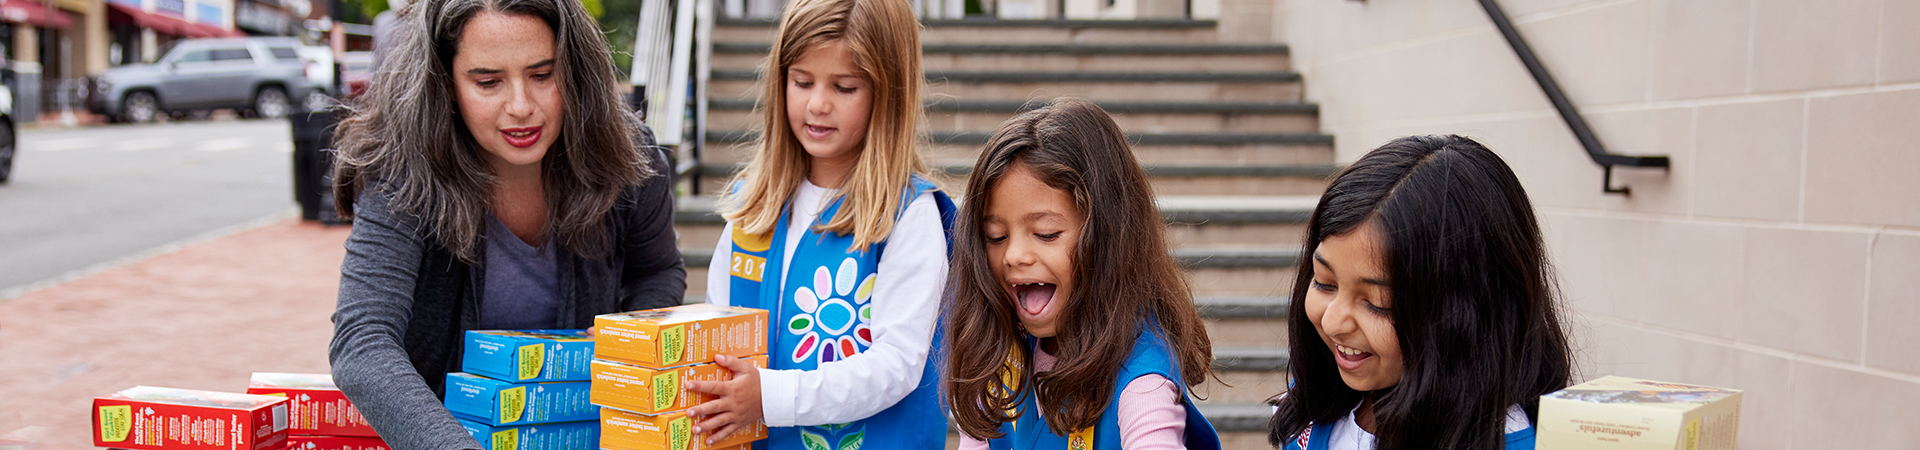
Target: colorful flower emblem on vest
(835, 313)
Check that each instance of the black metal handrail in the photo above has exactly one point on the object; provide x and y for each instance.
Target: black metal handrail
(1567, 112)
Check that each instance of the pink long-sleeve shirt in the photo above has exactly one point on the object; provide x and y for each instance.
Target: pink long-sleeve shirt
(1151, 417)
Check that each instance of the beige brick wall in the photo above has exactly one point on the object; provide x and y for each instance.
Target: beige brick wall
(1780, 254)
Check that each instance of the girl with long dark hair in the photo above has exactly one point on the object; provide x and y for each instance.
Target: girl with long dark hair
(1424, 311)
(496, 181)
(1074, 326)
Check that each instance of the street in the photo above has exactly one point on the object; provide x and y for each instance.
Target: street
(84, 197)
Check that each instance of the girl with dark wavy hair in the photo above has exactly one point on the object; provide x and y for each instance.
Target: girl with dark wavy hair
(1424, 312)
(495, 181)
(1075, 325)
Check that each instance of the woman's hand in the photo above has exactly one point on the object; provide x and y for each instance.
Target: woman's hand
(736, 402)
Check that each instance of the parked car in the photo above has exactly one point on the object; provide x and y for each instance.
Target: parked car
(261, 76)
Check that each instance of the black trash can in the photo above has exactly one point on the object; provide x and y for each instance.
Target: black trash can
(313, 163)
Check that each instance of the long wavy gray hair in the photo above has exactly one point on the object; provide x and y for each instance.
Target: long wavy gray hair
(403, 139)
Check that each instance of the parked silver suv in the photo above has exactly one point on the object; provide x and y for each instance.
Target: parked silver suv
(261, 76)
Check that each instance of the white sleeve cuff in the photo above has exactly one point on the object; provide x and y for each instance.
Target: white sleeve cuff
(779, 390)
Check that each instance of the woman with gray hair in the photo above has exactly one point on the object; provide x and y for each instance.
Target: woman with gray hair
(497, 182)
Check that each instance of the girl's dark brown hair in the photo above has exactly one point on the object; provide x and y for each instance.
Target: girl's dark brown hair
(404, 139)
(1126, 278)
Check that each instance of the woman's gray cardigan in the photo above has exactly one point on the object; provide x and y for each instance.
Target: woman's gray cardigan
(406, 302)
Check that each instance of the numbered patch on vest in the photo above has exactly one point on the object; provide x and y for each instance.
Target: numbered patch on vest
(745, 265)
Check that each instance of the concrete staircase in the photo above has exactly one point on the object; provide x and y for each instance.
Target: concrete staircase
(1236, 158)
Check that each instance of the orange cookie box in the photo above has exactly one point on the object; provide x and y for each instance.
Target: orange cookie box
(653, 391)
(680, 335)
(622, 430)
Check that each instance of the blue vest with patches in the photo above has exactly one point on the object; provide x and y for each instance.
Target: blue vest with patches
(822, 314)
(1150, 356)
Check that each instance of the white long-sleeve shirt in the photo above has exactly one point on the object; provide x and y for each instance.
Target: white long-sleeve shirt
(906, 305)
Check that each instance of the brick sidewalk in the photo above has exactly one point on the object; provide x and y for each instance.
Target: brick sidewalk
(205, 316)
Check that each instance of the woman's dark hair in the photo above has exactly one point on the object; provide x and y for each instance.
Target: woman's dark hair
(404, 139)
(1473, 299)
(1124, 271)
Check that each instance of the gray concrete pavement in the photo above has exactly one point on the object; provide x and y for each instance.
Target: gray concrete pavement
(83, 197)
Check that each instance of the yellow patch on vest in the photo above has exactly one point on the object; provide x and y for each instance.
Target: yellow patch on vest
(752, 242)
(1081, 440)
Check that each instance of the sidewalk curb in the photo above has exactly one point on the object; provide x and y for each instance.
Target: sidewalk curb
(170, 247)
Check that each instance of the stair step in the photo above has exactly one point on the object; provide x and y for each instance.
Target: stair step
(1097, 86)
(1010, 107)
(761, 48)
(1059, 57)
(1188, 179)
(1188, 257)
(1175, 171)
(978, 138)
(1223, 209)
(1193, 221)
(1242, 307)
(984, 116)
(972, 77)
(1249, 359)
(1245, 280)
(1301, 151)
(1216, 258)
(1237, 417)
(1014, 31)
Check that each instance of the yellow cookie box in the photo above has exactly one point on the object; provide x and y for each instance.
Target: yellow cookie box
(622, 430)
(680, 335)
(1620, 413)
(654, 391)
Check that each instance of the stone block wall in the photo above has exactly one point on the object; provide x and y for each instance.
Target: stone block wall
(1781, 252)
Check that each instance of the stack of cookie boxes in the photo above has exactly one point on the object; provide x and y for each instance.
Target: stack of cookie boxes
(644, 359)
(525, 390)
(319, 415)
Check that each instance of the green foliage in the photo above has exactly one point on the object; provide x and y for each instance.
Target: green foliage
(617, 21)
(617, 24)
(359, 11)
(372, 8)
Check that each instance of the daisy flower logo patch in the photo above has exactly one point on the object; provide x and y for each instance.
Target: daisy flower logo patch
(835, 313)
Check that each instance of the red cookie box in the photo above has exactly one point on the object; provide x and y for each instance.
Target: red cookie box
(154, 418)
(316, 406)
(299, 442)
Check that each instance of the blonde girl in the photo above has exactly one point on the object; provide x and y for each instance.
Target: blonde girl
(833, 230)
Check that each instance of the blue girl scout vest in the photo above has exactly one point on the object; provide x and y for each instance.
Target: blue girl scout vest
(1150, 356)
(1316, 438)
(822, 313)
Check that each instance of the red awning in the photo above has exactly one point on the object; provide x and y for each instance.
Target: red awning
(161, 23)
(33, 13)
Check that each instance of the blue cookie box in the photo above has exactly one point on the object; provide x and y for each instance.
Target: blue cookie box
(546, 436)
(495, 354)
(561, 401)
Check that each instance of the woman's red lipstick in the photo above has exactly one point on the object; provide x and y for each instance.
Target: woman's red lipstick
(522, 137)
